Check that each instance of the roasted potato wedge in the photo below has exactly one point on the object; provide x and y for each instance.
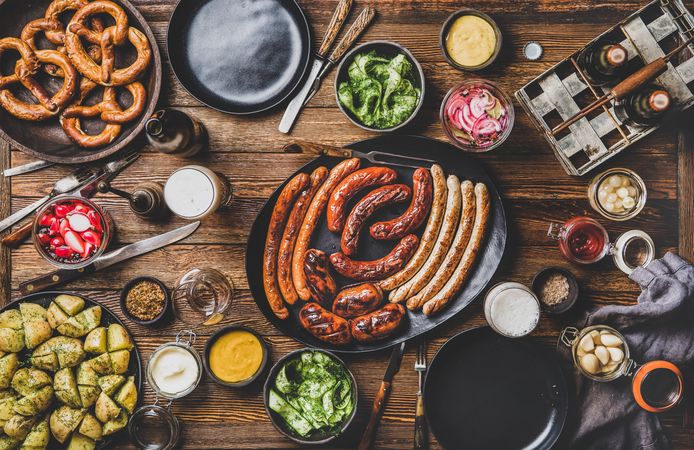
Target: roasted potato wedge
(120, 360)
(127, 395)
(36, 327)
(67, 351)
(116, 424)
(39, 436)
(71, 304)
(105, 408)
(90, 427)
(81, 442)
(118, 338)
(95, 342)
(65, 387)
(82, 323)
(64, 420)
(109, 384)
(8, 367)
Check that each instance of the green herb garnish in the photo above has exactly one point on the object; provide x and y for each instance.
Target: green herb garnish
(379, 91)
(312, 393)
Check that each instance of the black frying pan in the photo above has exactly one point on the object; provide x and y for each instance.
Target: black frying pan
(486, 391)
(453, 162)
(239, 56)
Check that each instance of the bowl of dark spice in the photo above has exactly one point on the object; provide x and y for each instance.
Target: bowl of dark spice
(144, 300)
(556, 288)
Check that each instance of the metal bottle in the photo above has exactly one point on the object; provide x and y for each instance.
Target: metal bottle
(174, 132)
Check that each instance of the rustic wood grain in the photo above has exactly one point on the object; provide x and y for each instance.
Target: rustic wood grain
(248, 151)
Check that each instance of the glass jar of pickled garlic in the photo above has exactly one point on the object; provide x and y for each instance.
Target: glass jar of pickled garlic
(617, 194)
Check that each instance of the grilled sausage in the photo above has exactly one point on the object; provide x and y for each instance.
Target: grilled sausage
(349, 187)
(416, 213)
(315, 210)
(462, 236)
(325, 325)
(272, 241)
(379, 324)
(378, 268)
(443, 242)
(358, 300)
(462, 271)
(318, 278)
(374, 200)
(431, 232)
(291, 231)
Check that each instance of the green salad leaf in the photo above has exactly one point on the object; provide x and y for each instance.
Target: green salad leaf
(379, 91)
(311, 393)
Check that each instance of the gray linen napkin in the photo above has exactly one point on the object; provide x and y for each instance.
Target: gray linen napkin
(660, 326)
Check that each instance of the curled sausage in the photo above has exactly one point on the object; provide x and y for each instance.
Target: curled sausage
(462, 236)
(349, 187)
(416, 214)
(358, 300)
(315, 210)
(462, 270)
(272, 241)
(374, 200)
(291, 231)
(324, 325)
(379, 324)
(378, 268)
(318, 278)
(431, 232)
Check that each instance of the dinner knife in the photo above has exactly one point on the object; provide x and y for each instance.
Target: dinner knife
(108, 173)
(358, 27)
(375, 156)
(382, 397)
(27, 168)
(297, 103)
(124, 253)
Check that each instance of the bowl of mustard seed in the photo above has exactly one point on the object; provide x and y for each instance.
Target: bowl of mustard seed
(145, 300)
(556, 288)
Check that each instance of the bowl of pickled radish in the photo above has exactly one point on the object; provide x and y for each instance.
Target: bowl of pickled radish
(617, 194)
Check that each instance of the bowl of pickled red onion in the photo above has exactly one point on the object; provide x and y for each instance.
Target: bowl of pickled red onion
(477, 116)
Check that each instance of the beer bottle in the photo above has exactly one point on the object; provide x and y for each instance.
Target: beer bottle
(645, 107)
(603, 63)
(174, 132)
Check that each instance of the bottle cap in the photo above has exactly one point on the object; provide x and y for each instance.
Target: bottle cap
(617, 55)
(659, 100)
(533, 50)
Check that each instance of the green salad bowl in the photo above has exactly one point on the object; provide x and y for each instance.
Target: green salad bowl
(388, 50)
(317, 437)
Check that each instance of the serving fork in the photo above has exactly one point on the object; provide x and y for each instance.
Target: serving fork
(420, 425)
(67, 184)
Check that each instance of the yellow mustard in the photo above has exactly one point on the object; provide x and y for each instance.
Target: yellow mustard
(236, 356)
(470, 41)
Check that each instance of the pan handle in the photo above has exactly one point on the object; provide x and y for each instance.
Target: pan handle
(317, 149)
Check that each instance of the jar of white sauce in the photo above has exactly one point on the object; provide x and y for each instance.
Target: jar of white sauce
(512, 309)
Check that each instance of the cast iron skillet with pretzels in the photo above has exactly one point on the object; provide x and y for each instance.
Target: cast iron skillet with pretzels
(453, 162)
(46, 139)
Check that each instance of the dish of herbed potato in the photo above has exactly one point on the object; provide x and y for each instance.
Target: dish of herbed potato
(65, 375)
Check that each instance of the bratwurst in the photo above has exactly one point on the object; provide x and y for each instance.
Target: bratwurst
(377, 269)
(318, 279)
(358, 300)
(379, 324)
(324, 325)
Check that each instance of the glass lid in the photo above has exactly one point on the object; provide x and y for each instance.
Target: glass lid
(154, 427)
(633, 249)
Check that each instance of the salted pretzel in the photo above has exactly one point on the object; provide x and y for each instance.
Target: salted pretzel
(109, 109)
(73, 127)
(25, 70)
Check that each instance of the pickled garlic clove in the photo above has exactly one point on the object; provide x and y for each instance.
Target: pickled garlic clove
(602, 354)
(587, 343)
(610, 340)
(590, 363)
(616, 354)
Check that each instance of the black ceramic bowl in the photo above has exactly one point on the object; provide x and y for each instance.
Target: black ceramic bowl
(447, 26)
(167, 301)
(390, 50)
(540, 278)
(220, 333)
(278, 422)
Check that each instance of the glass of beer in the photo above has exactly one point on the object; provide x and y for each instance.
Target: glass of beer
(194, 192)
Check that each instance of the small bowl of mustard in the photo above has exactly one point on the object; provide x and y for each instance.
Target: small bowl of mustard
(470, 40)
(235, 356)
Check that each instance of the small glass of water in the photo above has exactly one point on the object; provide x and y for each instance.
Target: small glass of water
(202, 297)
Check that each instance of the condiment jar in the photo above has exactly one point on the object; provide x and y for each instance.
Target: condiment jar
(154, 427)
(657, 385)
(584, 241)
(629, 196)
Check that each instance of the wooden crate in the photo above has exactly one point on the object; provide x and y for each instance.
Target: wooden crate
(563, 90)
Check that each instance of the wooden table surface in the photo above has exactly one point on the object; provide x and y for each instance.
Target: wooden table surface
(246, 149)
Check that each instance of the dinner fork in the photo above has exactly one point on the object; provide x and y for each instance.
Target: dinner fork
(420, 425)
(62, 186)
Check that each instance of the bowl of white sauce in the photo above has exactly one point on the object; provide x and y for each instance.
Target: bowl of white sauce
(512, 309)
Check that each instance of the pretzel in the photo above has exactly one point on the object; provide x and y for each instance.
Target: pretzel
(79, 27)
(107, 75)
(73, 127)
(25, 70)
(53, 12)
(109, 109)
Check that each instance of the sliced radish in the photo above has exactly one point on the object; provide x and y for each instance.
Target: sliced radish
(79, 222)
(95, 220)
(82, 208)
(74, 241)
(57, 242)
(45, 220)
(44, 238)
(64, 227)
(92, 238)
(64, 252)
(54, 227)
(61, 210)
(88, 249)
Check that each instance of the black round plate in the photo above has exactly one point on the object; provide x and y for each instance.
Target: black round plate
(485, 391)
(239, 56)
(453, 162)
(107, 317)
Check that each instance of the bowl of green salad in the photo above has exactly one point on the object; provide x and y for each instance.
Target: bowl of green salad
(380, 86)
(310, 396)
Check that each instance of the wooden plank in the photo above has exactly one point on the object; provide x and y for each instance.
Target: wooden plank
(685, 185)
(5, 210)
